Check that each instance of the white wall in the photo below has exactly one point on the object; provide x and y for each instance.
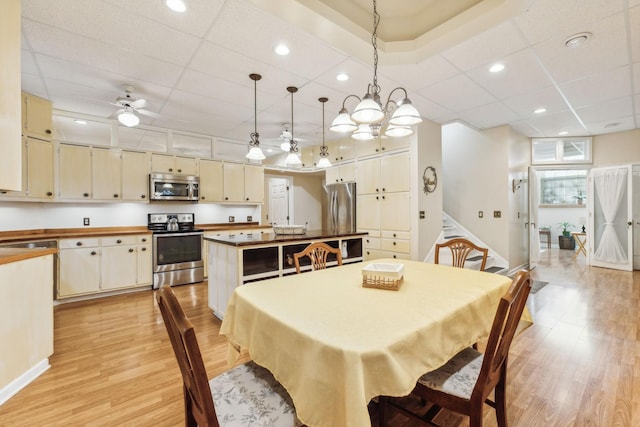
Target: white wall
(616, 148)
(28, 215)
(476, 178)
(427, 148)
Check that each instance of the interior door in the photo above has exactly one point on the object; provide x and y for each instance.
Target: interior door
(610, 232)
(534, 235)
(636, 217)
(279, 201)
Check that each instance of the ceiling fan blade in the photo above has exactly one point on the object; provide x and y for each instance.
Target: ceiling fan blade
(149, 113)
(139, 103)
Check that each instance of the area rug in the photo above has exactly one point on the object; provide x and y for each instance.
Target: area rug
(537, 285)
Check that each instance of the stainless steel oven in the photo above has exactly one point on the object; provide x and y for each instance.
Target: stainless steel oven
(177, 250)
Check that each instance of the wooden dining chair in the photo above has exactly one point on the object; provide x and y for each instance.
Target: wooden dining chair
(464, 383)
(247, 395)
(460, 250)
(317, 253)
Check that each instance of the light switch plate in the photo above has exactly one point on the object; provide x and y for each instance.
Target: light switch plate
(232, 218)
(497, 214)
(480, 214)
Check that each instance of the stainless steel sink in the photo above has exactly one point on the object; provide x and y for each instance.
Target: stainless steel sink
(39, 244)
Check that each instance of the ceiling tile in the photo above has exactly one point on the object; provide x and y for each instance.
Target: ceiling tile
(549, 98)
(634, 32)
(457, 94)
(606, 49)
(522, 74)
(551, 124)
(423, 74)
(488, 47)
(594, 89)
(603, 127)
(607, 111)
(489, 116)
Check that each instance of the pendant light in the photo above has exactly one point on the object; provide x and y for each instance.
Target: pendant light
(324, 150)
(255, 152)
(370, 115)
(292, 158)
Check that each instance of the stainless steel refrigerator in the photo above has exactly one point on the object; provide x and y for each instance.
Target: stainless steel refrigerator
(339, 207)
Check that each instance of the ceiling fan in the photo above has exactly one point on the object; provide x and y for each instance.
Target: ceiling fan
(129, 106)
(284, 138)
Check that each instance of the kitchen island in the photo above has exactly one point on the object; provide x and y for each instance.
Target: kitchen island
(236, 259)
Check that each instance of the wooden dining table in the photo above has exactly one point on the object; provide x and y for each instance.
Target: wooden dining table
(335, 345)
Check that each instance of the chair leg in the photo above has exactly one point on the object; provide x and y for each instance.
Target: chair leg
(475, 417)
(500, 402)
(189, 419)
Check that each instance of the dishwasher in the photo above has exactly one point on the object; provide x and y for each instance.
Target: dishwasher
(39, 244)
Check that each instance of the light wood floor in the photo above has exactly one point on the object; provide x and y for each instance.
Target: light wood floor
(578, 365)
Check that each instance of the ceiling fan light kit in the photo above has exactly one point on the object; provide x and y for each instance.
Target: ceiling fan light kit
(128, 117)
(370, 115)
(255, 152)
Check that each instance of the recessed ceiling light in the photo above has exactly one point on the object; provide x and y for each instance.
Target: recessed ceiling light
(176, 5)
(564, 132)
(540, 110)
(80, 121)
(342, 77)
(496, 68)
(281, 50)
(577, 40)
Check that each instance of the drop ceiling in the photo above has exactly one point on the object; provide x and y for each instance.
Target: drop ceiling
(193, 68)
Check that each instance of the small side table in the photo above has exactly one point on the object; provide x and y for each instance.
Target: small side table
(581, 240)
(546, 232)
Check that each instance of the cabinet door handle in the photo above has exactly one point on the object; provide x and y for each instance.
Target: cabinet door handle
(49, 193)
(93, 252)
(384, 189)
(78, 243)
(394, 234)
(394, 243)
(118, 241)
(144, 239)
(226, 198)
(246, 198)
(179, 170)
(144, 249)
(142, 196)
(202, 198)
(85, 195)
(170, 169)
(382, 148)
(47, 131)
(383, 197)
(395, 256)
(131, 249)
(115, 196)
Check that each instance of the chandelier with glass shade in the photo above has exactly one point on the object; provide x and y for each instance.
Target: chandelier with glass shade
(370, 116)
(292, 158)
(324, 150)
(255, 152)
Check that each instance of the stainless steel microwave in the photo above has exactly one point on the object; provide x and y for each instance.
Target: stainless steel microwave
(163, 186)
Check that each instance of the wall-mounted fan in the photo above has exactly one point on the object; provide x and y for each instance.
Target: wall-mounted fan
(129, 106)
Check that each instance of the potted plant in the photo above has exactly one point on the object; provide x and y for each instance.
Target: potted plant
(579, 197)
(565, 241)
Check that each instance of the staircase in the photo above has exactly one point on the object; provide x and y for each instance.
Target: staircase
(451, 230)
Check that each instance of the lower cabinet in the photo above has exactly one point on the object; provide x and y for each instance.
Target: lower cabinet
(94, 265)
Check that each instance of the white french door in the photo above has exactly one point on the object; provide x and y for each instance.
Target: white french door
(534, 235)
(610, 232)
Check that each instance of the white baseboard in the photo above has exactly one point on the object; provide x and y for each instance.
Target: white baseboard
(23, 380)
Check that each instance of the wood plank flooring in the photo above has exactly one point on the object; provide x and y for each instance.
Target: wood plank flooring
(578, 365)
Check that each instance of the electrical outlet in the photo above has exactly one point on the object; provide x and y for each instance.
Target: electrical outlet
(249, 218)
(497, 214)
(421, 214)
(480, 214)
(85, 221)
(232, 218)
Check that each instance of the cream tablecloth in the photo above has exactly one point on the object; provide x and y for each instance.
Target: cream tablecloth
(335, 345)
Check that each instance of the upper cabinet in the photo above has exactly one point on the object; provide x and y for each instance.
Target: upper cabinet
(341, 150)
(106, 168)
(135, 176)
(211, 179)
(74, 172)
(39, 164)
(166, 163)
(243, 183)
(381, 146)
(37, 121)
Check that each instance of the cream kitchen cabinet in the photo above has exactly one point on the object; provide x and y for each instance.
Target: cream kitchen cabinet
(74, 172)
(211, 181)
(78, 267)
(37, 119)
(386, 174)
(37, 170)
(233, 182)
(94, 265)
(243, 183)
(135, 176)
(380, 146)
(166, 163)
(106, 174)
(253, 184)
(394, 211)
(341, 150)
(308, 157)
(119, 262)
(341, 173)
